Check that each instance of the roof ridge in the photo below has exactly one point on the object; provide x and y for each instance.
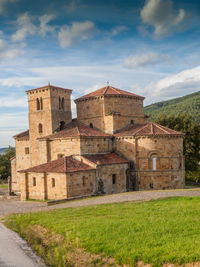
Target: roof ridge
(160, 127)
(105, 89)
(141, 128)
(115, 89)
(77, 126)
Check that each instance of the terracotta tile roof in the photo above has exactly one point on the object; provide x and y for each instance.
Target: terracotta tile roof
(22, 136)
(146, 129)
(74, 129)
(109, 90)
(105, 159)
(50, 87)
(62, 165)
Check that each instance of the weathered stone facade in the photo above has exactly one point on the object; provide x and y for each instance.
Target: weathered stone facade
(109, 148)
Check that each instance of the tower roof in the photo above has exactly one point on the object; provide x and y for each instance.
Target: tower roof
(146, 129)
(49, 86)
(109, 90)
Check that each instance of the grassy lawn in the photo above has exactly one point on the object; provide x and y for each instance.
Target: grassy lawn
(157, 232)
(3, 185)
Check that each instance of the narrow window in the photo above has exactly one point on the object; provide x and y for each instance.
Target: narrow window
(40, 130)
(26, 150)
(62, 125)
(34, 181)
(132, 121)
(154, 162)
(38, 104)
(83, 180)
(53, 182)
(91, 125)
(63, 103)
(59, 103)
(113, 178)
(180, 161)
(41, 103)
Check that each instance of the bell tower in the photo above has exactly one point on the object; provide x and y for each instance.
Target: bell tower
(49, 110)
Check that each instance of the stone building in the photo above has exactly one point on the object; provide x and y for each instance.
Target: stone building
(109, 148)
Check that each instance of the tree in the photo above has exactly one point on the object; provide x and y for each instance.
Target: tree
(191, 144)
(5, 166)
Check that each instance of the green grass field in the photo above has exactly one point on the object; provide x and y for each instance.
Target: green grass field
(3, 186)
(157, 232)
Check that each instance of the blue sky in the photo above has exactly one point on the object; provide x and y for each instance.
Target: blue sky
(150, 47)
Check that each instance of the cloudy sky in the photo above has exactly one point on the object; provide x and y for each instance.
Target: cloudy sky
(150, 47)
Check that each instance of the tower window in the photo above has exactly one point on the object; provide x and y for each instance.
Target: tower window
(63, 103)
(41, 103)
(59, 102)
(113, 178)
(62, 125)
(91, 125)
(132, 121)
(26, 150)
(53, 182)
(38, 104)
(34, 181)
(40, 130)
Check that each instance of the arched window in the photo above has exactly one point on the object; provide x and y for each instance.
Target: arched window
(38, 104)
(154, 162)
(40, 130)
(63, 103)
(34, 181)
(53, 182)
(59, 102)
(179, 161)
(62, 125)
(83, 180)
(41, 103)
(91, 125)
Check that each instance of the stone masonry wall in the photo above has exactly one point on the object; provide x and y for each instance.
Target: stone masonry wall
(106, 173)
(81, 183)
(22, 161)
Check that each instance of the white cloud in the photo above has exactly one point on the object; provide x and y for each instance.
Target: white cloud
(115, 31)
(8, 51)
(25, 28)
(72, 34)
(182, 83)
(13, 102)
(161, 15)
(144, 60)
(44, 27)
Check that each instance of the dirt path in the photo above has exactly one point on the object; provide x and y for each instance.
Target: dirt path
(16, 206)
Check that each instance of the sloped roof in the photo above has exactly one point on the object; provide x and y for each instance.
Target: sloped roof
(109, 90)
(22, 136)
(49, 87)
(146, 129)
(105, 159)
(75, 129)
(62, 165)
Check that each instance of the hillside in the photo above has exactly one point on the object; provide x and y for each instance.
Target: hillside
(189, 104)
(2, 150)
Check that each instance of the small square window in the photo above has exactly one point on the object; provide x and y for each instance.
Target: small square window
(113, 178)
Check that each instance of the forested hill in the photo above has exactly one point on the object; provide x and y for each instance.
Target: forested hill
(189, 104)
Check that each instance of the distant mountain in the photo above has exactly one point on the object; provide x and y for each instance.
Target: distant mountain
(2, 150)
(189, 104)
